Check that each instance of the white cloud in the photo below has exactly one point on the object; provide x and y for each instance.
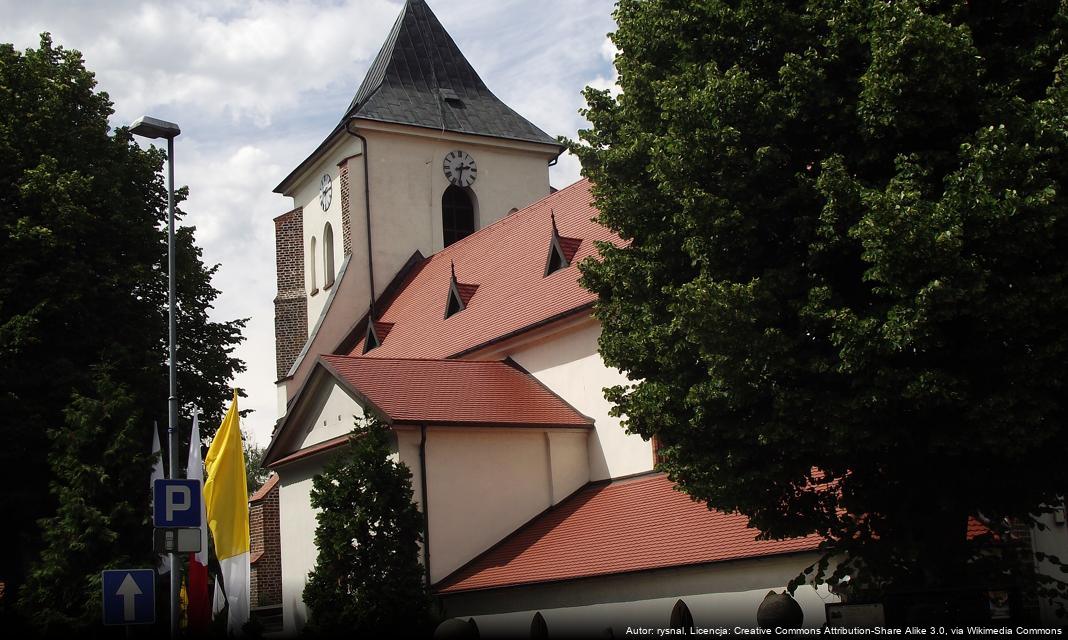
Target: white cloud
(256, 86)
(611, 83)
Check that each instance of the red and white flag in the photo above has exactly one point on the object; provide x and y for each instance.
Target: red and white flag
(199, 605)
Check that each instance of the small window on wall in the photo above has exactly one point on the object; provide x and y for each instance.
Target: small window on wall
(457, 214)
(328, 256)
(313, 284)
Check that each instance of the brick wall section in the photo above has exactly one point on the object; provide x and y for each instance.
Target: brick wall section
(265, 548)
(346, 214)
(290, 305)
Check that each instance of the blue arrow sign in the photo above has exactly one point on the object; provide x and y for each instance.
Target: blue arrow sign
(176, 504)
(129, 596)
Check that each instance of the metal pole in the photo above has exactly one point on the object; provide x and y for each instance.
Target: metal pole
(172, 400)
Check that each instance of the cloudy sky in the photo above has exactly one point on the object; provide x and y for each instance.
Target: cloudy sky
(256, 85)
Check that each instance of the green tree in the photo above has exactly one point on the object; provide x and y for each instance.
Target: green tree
(83, 288)
(367, 578)
(255, 473)
(841, 301)
(98, 455)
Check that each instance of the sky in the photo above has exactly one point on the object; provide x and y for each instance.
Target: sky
(257, 85)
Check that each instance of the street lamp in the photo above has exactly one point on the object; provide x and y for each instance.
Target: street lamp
(148, 127)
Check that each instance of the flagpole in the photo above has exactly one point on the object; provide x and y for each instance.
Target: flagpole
(172, 400)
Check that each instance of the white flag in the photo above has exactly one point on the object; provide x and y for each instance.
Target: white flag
(195, 471)
(164, 564)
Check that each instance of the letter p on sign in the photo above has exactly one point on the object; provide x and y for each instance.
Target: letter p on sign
(176, 504)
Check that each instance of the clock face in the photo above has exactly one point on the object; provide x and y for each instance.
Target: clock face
(326, 191)
(460, 168)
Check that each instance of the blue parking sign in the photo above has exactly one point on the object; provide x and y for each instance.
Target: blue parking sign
(176, 504)
(129, 596)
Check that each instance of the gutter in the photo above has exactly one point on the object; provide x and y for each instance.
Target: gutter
(426, 505)
(367, 211)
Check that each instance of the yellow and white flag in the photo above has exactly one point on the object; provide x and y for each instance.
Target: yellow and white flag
(226, 501)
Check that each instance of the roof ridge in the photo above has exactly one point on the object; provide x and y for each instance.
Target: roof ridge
(387, 359)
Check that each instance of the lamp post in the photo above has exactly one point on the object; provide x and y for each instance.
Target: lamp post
(148, 127)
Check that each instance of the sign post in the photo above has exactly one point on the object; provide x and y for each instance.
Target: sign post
(129, 596)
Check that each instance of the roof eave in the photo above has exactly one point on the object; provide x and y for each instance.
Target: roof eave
(287, 183)
(447, 591)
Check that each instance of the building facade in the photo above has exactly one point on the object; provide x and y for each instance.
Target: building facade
(427, 274)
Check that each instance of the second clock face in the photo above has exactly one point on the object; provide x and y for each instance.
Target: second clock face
(326, 191)
(460, 168)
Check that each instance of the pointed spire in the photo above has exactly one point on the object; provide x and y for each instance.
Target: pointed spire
(421, 78)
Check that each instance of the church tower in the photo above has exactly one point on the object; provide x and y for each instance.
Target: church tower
(424, 156)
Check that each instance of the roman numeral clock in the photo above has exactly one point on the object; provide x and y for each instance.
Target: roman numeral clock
(460, 168)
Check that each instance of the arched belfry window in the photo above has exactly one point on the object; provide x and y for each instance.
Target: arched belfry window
(457, 214)
(328, 256)
(681, 618)
(538, 628)
(311, 263)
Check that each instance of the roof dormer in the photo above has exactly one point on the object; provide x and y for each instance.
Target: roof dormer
(376, 333)
(562, 250)
(459, 294)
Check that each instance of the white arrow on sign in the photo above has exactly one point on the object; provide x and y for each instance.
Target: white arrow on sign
(129, 591)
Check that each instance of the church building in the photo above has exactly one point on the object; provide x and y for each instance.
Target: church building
(427, 274)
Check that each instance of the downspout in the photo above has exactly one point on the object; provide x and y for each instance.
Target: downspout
(426, 505)
(367, 213)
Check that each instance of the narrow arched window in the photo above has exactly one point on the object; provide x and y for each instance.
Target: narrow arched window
(538, 628)
(457, 214)
(313, 285)
(681, 618)
(328, 256)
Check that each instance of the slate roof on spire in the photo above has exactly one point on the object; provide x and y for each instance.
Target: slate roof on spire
(421, 78)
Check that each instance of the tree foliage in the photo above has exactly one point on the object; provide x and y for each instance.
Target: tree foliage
(367, 578)
(255, 473)
(98, 457)
(83, 293)
(841, 302)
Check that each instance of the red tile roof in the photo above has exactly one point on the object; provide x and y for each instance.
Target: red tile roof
(635, 524)
(453, 392)
(506, 262)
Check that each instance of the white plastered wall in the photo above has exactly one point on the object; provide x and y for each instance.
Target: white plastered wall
(335, 415)
(296, 533)
(565, 359)
(407, 182)
(717, 595)
(483, 484)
